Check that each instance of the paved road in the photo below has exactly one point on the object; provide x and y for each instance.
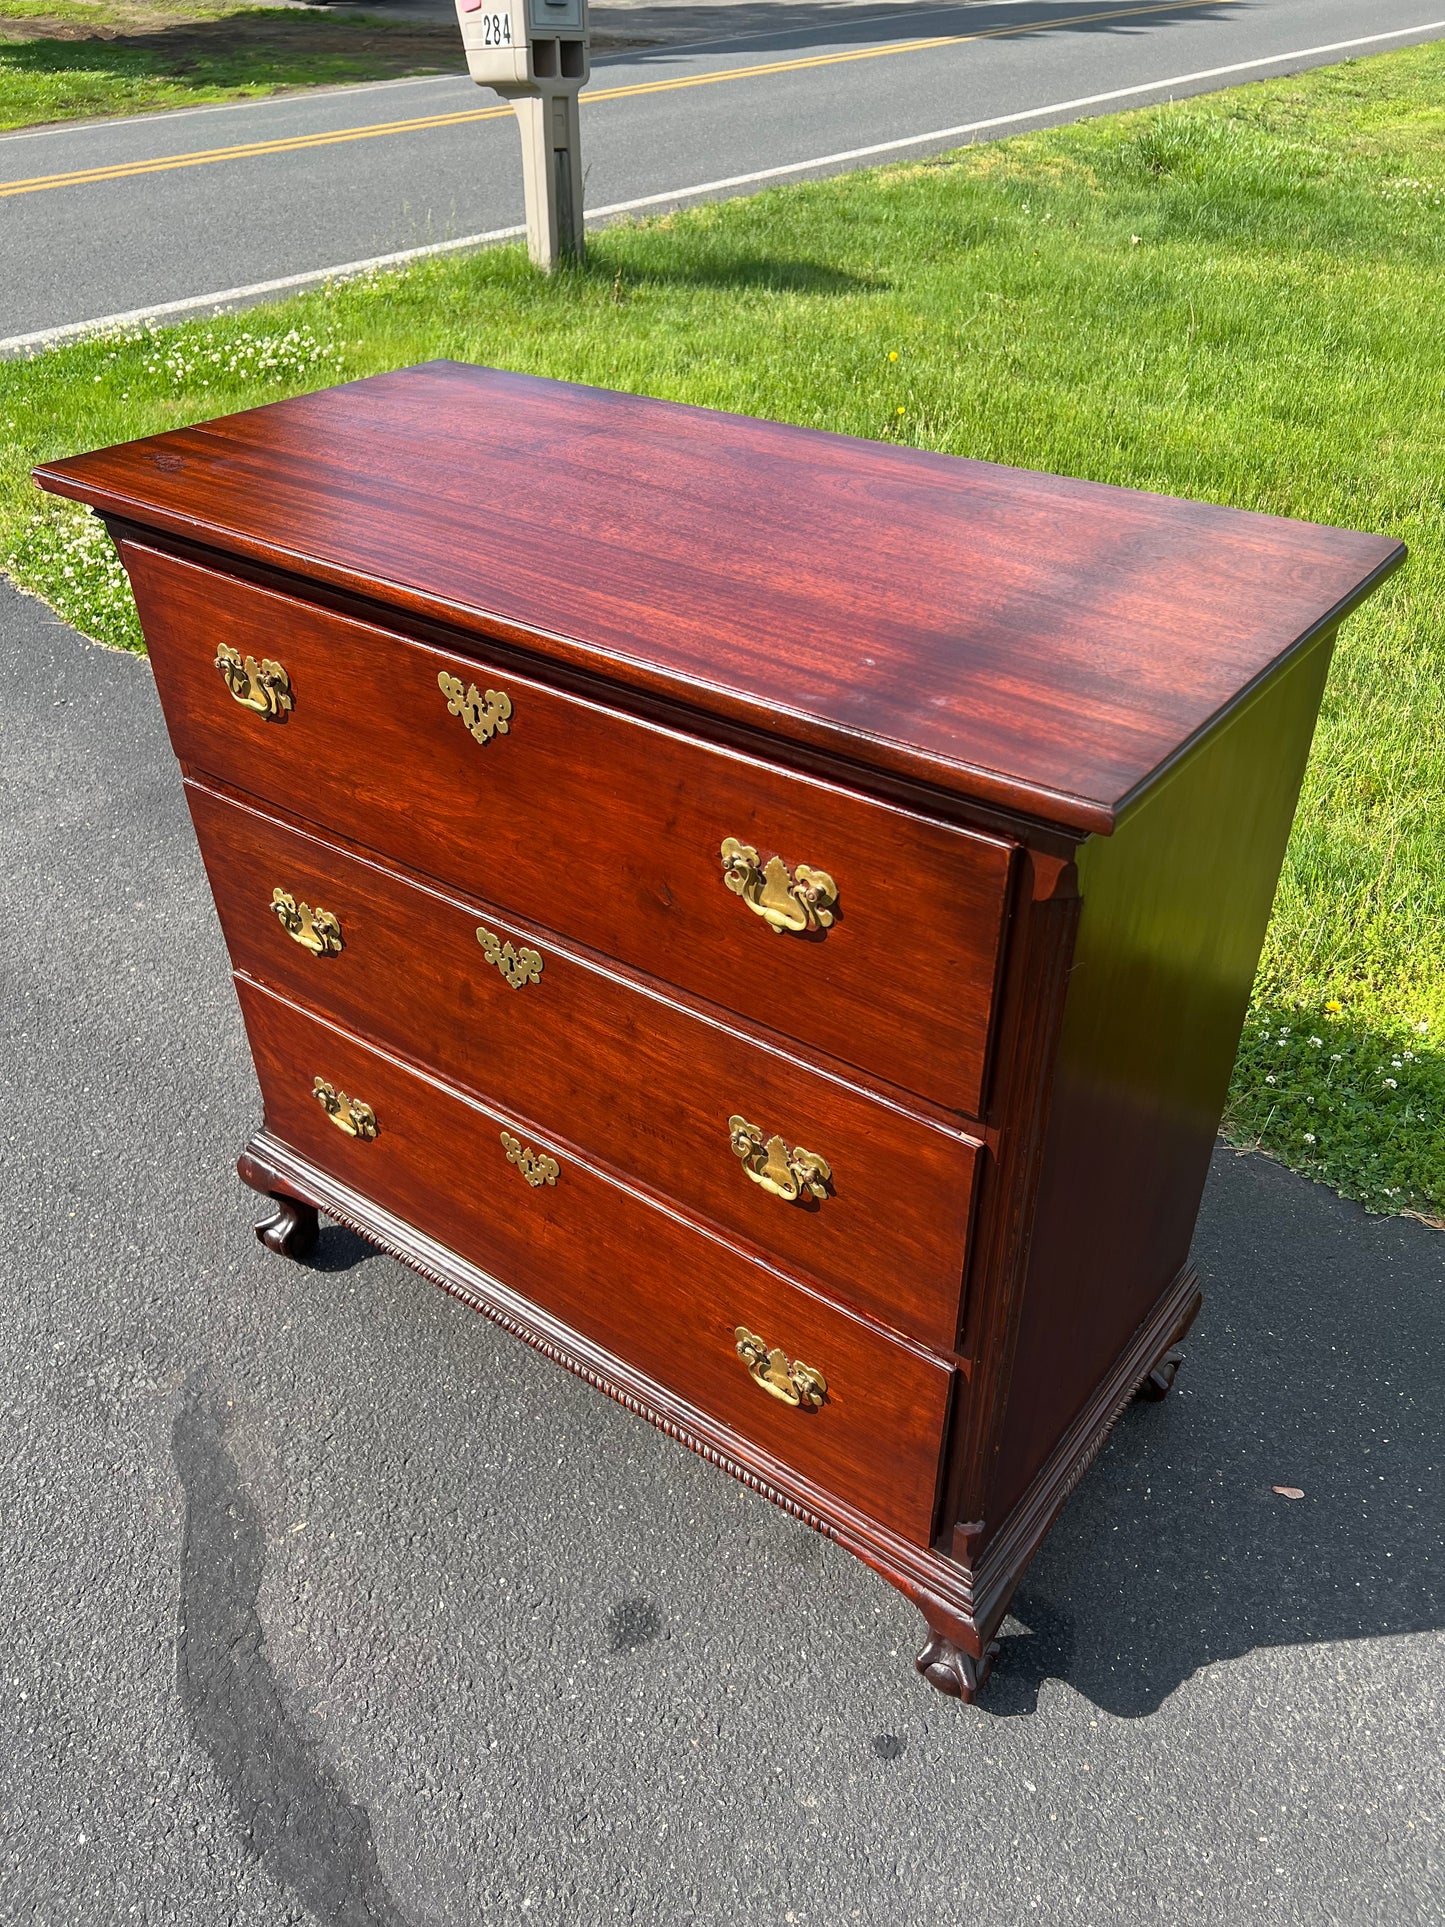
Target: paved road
(321, 1599)
(182, 206)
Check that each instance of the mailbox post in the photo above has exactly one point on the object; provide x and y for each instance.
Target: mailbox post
(536, 55)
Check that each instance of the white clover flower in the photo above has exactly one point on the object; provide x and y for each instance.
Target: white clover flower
(1269, 1077)
(1391, 1084)
(1337, 1057)
(1318, 1042)
(1309, 1137)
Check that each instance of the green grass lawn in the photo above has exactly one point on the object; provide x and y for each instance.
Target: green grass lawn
(1237, 299)
(74, 59)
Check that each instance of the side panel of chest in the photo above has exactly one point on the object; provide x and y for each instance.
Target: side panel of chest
(1174, 911)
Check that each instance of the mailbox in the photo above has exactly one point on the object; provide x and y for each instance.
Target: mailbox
(535, 54)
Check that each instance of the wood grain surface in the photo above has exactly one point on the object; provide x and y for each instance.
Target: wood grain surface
(604, 829)
(613, 1066)
(1175, 909)
(1026, 640)
(625, 1273)
(1046, 738)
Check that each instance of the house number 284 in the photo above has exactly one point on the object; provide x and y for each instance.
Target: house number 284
(496, 30)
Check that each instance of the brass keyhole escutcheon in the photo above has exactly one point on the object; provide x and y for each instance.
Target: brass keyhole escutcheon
(769, 1368)
(485, 714)
(518, 967)
(788, 1174)
(315, 930)
(348, 1114)
(800, 900)
(262, 686)
(535, 1166)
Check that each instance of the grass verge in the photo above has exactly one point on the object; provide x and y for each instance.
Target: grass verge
(82, 59)
(1236, 299)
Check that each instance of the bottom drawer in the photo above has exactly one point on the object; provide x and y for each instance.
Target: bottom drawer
(627, 1274)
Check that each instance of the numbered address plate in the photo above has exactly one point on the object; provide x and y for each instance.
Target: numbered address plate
(495, 38)
(496, 27)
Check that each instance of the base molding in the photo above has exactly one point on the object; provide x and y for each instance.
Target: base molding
(963, 1600)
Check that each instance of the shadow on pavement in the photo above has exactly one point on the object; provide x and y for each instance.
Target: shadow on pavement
(413, 37)
(399, 38)
(657, 31)
(1316, 1365)
(1307, 1369)
(339, 1249)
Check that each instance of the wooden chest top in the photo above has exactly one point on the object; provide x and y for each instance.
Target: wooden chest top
(1038, 644)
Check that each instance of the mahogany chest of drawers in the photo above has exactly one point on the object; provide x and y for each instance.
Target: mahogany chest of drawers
(766, 917)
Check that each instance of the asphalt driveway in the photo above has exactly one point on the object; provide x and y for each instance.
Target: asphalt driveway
(322, 1599)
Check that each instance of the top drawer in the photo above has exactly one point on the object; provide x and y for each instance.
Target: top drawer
(601, 827)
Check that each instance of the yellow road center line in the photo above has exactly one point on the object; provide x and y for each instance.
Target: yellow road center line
(205, 157)
(245, 151)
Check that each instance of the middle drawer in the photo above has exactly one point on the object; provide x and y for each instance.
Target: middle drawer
(622, 1071)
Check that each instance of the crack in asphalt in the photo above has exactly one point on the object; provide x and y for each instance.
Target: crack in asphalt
(291, 1809)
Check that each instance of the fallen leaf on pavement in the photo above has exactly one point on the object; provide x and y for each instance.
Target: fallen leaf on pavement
(1287, 1491)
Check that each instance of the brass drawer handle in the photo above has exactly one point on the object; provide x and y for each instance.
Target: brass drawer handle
(484, 715)
(517, 966)
(790, 1175)
(315, 930)
(800, 900)
(263, 686)
(534, 1166)
(348, 1114)
(794, 1384)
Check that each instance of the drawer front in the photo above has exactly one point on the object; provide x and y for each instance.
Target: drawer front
(595, 825)
(630, 1276)
(623, 1073)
